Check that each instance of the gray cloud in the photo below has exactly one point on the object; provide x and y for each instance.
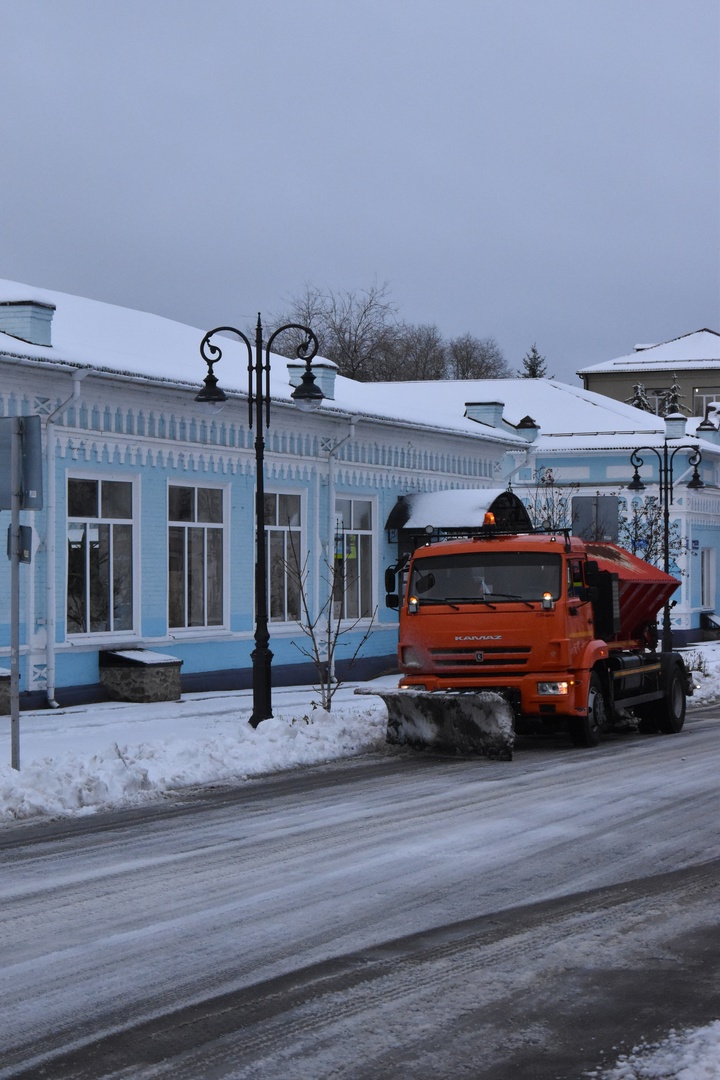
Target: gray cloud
(537, 172)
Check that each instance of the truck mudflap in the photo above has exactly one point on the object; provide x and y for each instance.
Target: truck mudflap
(476, 722)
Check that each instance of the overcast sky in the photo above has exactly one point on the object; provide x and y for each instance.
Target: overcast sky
(537, 171)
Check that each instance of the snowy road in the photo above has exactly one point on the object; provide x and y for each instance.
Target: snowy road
(400, 915)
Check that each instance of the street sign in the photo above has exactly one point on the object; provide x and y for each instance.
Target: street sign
(24, 543)
(31, 489)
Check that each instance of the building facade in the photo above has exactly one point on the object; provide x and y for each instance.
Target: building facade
(684, 373)
(580, 475)
(145, 542)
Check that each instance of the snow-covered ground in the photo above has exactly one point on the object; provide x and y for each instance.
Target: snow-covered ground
(688, 1055)
(83, 759)
(79, 760)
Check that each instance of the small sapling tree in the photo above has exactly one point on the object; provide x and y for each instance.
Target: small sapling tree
(549, 504)
(324, 631)
(642, 532)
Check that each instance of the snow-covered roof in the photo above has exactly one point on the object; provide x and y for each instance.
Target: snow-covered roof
(558, 408)
(458, 508)
(127, 342)
(695, 351)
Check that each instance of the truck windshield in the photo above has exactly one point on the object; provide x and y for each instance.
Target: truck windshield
(485, 577)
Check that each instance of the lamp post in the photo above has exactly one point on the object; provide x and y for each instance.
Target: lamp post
(666, 457)
(307, 395)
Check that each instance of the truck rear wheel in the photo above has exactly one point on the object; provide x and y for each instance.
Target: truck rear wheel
(586, 730)
(668, 714)
(671, 710)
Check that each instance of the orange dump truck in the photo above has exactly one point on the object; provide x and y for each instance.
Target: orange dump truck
(504, 632)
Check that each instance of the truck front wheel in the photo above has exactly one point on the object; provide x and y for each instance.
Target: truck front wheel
(586, 730)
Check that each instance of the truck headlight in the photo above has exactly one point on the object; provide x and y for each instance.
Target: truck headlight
(410, 657)
(553, 689)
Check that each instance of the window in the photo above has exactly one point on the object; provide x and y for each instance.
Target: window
(284, 556)
(486, 577)
(707, 578)
(702, 397)
(195, 556)
(353, 569)
(100, 556)
(595, 517)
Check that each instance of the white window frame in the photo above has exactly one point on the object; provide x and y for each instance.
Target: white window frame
(134, 522)
(343, 533)
(707, 577)
(278, 528)
(204, 627)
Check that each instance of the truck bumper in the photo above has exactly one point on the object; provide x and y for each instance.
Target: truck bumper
(541, 694)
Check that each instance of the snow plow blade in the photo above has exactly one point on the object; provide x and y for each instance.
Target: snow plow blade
(468, 722)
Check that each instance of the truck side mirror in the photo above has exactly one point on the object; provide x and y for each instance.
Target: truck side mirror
(392, 600)
(591, 571)
(390, 579)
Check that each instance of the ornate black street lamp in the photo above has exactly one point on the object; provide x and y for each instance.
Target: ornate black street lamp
(307, 395)
(665, 457)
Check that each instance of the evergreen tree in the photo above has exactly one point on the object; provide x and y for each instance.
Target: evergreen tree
(670, 399)
(535, 366)
(639, 398)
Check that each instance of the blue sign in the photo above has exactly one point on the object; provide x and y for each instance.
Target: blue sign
(31, 489)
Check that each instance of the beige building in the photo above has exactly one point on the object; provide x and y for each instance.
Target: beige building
(689, 364)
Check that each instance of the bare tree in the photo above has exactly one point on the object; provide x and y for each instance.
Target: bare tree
(360, 332)
(642, 533)
(549, 504)
(355, 329)
(416, 353)
(324, 630)
(469, 357)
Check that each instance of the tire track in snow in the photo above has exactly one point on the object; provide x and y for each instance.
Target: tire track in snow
(292, 1026)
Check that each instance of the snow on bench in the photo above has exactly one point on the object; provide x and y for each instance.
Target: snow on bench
(140, 675)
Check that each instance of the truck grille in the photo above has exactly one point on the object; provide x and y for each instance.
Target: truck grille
(513, 656)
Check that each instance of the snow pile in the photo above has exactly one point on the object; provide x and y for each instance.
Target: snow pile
(704, 661)
(80, 761)
(689, 1055)
(83, 759)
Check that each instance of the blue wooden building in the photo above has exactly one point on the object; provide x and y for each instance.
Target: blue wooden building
(145, 543)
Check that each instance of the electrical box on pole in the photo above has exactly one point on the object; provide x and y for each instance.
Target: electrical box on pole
(24, 543)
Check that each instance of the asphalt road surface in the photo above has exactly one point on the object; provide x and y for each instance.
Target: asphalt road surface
(402, 915)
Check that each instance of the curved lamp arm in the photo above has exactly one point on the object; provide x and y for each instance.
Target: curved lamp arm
(637, 463)
(211, 392)
(309, 391)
